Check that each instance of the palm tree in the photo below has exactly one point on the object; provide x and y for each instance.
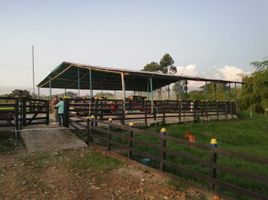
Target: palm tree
(261, 65)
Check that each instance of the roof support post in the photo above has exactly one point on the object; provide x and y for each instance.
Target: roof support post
(65, 91)
(224, 89)
(78, 80)
(168, 92)
(186, 89)
(114, 94)
(90, 92)
(206, 86)
(50, 89)
(124, 94)
(235, 91)
(38, 93)
(229, 84)
(148, 90)
(151, 94)
(215, 91)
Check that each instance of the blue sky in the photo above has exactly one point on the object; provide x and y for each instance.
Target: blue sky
(208, 34)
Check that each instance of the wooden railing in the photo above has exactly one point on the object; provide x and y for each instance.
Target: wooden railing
(146, 110)
(19, 112)
(9, 112)
(168, 154)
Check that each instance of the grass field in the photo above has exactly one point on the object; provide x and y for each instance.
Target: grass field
(244, 135)
(247, 135)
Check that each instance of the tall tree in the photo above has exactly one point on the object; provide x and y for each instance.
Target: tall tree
(260, 65)
(151, 67)
(254, 92)
(166, 64)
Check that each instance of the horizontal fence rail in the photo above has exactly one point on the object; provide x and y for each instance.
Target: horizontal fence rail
(167, 154)
(19, 112)
(144, 110)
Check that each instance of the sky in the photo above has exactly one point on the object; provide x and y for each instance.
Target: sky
(208, 38)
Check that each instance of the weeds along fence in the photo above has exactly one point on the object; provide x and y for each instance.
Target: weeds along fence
(238, 175)
(19, 112)
(145, 110)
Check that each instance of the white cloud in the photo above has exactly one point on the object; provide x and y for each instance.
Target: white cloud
(227, 72)
(188, 70)
(232, 73)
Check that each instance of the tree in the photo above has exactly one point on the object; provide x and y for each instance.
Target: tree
(166, 64)
(151, 67)
(20, 93)
(254, 92)
(260, 65)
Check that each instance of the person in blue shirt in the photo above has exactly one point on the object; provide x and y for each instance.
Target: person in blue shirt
(60, 107)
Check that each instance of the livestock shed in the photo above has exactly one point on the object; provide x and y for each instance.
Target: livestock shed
(70, 75)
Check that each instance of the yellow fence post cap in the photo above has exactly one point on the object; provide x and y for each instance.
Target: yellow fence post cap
(163, 130)
(131, 124)
(213, 141)
(92, 117)
(110, 119)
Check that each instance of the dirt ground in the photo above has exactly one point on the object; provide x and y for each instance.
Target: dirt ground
(83, 174)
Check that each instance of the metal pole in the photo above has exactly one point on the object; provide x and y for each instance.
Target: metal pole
(90, 84)
(151, 92)
(38, 92)
(215, 90)
(124, 91)
(168, 92)
(229, 90)
(50, 89)
(235, 91)
(148, 93)
(186, 92)
(78, 80)
(91, 91)
(33, 70)
(224, 89)
(206, 90)
(65, 91)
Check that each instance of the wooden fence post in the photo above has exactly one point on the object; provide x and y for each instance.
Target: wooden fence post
(66, 113)
(213, 158)
(123, 112)
(47, 112)
(194, 110)
(164, 111)
(24, 111)
(180, 105)
(17, 125)
(218, 109)
(163, 132)
(130, 141)
(145, 112)
(109, 136)
(226, 109)
(207, 109)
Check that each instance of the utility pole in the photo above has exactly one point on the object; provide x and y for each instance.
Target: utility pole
(33, 70)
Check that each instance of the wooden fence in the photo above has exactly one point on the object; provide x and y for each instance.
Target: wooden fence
(167, 150)
(19, 112)
(144, 110)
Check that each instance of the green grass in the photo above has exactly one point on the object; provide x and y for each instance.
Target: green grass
(8, 144)
(96, 161)
(245, 135)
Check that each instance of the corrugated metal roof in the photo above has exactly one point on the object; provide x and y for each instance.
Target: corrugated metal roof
(66, 76)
